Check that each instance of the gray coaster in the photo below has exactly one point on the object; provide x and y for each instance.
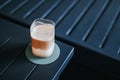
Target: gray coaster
(42, 61)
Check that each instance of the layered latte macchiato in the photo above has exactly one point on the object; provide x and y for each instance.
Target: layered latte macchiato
(42, 37)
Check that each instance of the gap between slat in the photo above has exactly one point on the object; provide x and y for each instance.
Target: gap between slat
(109, 29)
(66, 11)
(4, 4)
(48, 11)
(90, 29)
(30, 72)
(33, 9)
(118, 52)
(79, 18)
(5, 42)
(19, 6)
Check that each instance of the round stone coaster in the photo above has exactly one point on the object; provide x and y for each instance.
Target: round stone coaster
(40, 60)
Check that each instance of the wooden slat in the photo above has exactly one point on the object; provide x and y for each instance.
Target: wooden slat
(89, 19)
(19, 6)
(68, 22)
(62, 10)
(13, 44)
(97, 36)
(4, 3)
(43, 10)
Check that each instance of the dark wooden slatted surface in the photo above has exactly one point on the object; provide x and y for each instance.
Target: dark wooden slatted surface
(94, 28)
(63, 9)
(15, 65)
(87, 22)
(68, 24)
(90, 24)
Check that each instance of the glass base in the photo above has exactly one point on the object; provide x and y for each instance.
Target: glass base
(40, 60)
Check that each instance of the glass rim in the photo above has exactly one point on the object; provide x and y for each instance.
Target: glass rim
(49, 21)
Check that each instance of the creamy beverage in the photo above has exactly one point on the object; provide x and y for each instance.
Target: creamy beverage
(42, 37)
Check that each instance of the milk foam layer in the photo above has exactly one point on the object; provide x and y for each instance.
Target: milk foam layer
(43, 32)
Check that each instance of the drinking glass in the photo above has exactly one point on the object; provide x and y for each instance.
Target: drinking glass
(42, 33)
